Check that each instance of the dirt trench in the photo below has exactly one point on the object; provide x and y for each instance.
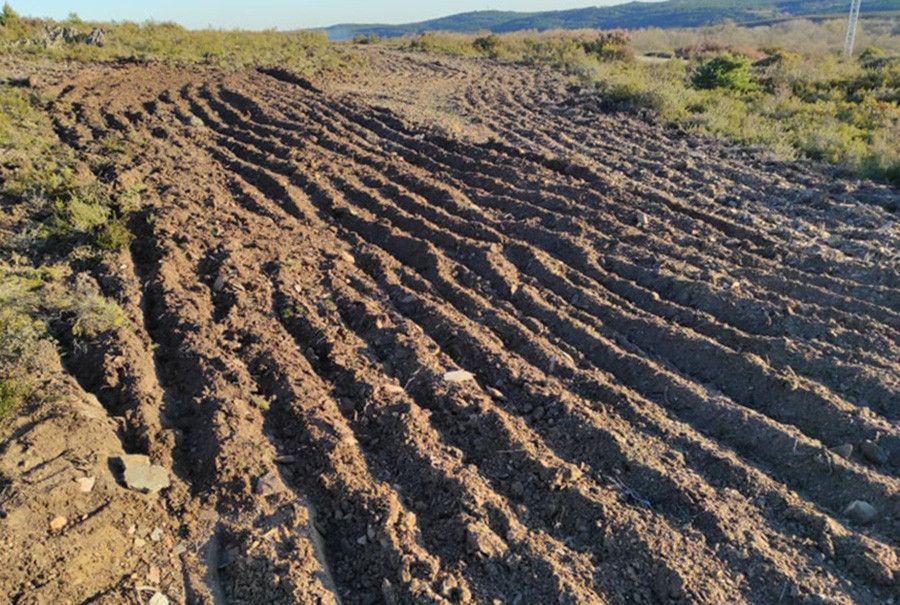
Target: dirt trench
(446, 331)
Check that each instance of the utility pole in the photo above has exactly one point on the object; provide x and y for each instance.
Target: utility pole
(851, 27)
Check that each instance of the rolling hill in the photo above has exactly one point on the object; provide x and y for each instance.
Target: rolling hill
(668, 14)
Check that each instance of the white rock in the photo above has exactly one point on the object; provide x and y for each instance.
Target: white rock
(458, 376)
(159, 599)
(86, 484)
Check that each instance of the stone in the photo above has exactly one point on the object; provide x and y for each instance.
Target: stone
(58, 523)
(844, 451)
(269, 485)
(142, 476)
(86, 484)
(153, 575)
(861, 512)
(158, 599)
(156, 535)
(873, 452)
(496, 394)
(457, 376)
(97, 37)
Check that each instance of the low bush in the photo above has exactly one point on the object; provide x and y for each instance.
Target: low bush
(609, 46)
(366, 39)
(12, 395)
(57, 217)
(113, 235)
(724, 71)
(487, 45)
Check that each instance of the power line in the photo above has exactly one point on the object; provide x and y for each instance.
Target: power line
(850, 41)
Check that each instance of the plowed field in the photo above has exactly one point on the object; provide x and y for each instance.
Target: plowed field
(447, 332)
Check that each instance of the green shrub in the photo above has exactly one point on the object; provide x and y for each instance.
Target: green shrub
(113, 235)
(12, 395)
(8, 16)
(870, 54)
(366, 39)
(609, 46)
(20, 331)
(487, 45)
(94, 314)
(724, 71)
(451, 44)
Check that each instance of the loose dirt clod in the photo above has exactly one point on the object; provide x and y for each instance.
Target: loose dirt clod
(269, 484)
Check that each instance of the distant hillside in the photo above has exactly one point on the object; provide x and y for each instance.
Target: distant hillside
(672, 13)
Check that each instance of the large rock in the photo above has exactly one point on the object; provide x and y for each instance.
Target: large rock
(143, 476)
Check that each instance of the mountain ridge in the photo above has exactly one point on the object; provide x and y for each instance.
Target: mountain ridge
(667, 14)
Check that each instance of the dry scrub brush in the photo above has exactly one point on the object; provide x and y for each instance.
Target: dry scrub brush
(785, 87)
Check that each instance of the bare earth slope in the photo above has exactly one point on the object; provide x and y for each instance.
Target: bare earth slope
(446, 332)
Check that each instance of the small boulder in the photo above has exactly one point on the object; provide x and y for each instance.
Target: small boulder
(844, 451)
(58, 523)
(142, 476)
(873, 452)
(97, 37)
(861, 512)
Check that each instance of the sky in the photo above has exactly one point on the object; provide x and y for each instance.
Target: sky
(281, 14)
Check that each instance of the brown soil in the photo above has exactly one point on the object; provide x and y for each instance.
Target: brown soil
(665, 337)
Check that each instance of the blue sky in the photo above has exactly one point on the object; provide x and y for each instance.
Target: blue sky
(283, 14)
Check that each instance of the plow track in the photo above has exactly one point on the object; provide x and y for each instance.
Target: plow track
(577, 360)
